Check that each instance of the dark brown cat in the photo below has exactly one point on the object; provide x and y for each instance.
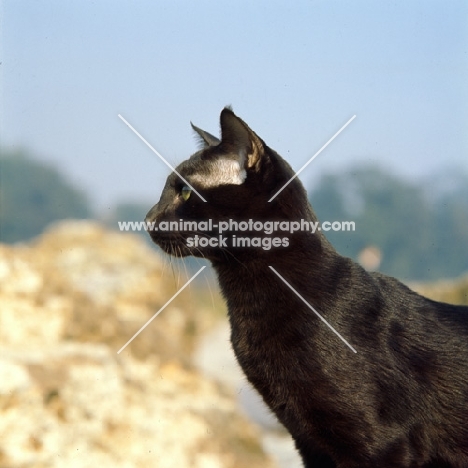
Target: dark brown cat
(402, 399)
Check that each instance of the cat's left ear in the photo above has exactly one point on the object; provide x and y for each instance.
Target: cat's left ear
(237, 137)
(205, 138)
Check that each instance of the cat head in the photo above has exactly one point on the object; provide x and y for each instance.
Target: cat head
(231, 178)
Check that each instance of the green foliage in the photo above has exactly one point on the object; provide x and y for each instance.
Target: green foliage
(32, 195)
(421, 234)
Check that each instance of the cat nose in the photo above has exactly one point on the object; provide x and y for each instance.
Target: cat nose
(151, 215)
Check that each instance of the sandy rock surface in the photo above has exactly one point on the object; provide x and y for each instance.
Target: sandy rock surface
(68, 302)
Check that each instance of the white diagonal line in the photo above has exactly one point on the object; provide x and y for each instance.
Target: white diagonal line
(312, 158)
(157, 154)
(313, 310)
(161, 309)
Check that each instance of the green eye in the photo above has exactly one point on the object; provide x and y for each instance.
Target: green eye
(185, 192)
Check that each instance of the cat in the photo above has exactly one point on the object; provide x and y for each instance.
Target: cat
(400, 400)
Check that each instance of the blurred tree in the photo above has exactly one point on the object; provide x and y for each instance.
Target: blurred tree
(33, 194)
(419, 237)
(451, 232)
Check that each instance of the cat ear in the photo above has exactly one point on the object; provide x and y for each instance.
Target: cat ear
(205, 138)
(236, 136)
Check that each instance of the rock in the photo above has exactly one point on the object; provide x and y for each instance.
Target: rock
(81, 405)
(69, 301)
(81, 282)
(27, 317)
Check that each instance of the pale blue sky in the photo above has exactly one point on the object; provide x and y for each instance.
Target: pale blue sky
(296, 71)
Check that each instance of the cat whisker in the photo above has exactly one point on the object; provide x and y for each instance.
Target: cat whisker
(211, 293)
(184, 265)
(172, 268)
(167, 262)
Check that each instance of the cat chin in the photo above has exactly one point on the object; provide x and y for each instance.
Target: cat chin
(172, 248)
(175, 249)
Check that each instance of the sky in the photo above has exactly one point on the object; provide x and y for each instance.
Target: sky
(295, 71)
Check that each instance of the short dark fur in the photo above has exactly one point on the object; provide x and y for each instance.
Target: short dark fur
(402, 400)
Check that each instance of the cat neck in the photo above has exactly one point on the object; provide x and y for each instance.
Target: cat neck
(249, 283)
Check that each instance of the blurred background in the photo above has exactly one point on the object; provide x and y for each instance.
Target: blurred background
(295, 72)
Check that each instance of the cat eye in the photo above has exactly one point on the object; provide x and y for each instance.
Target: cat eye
(185, 192)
